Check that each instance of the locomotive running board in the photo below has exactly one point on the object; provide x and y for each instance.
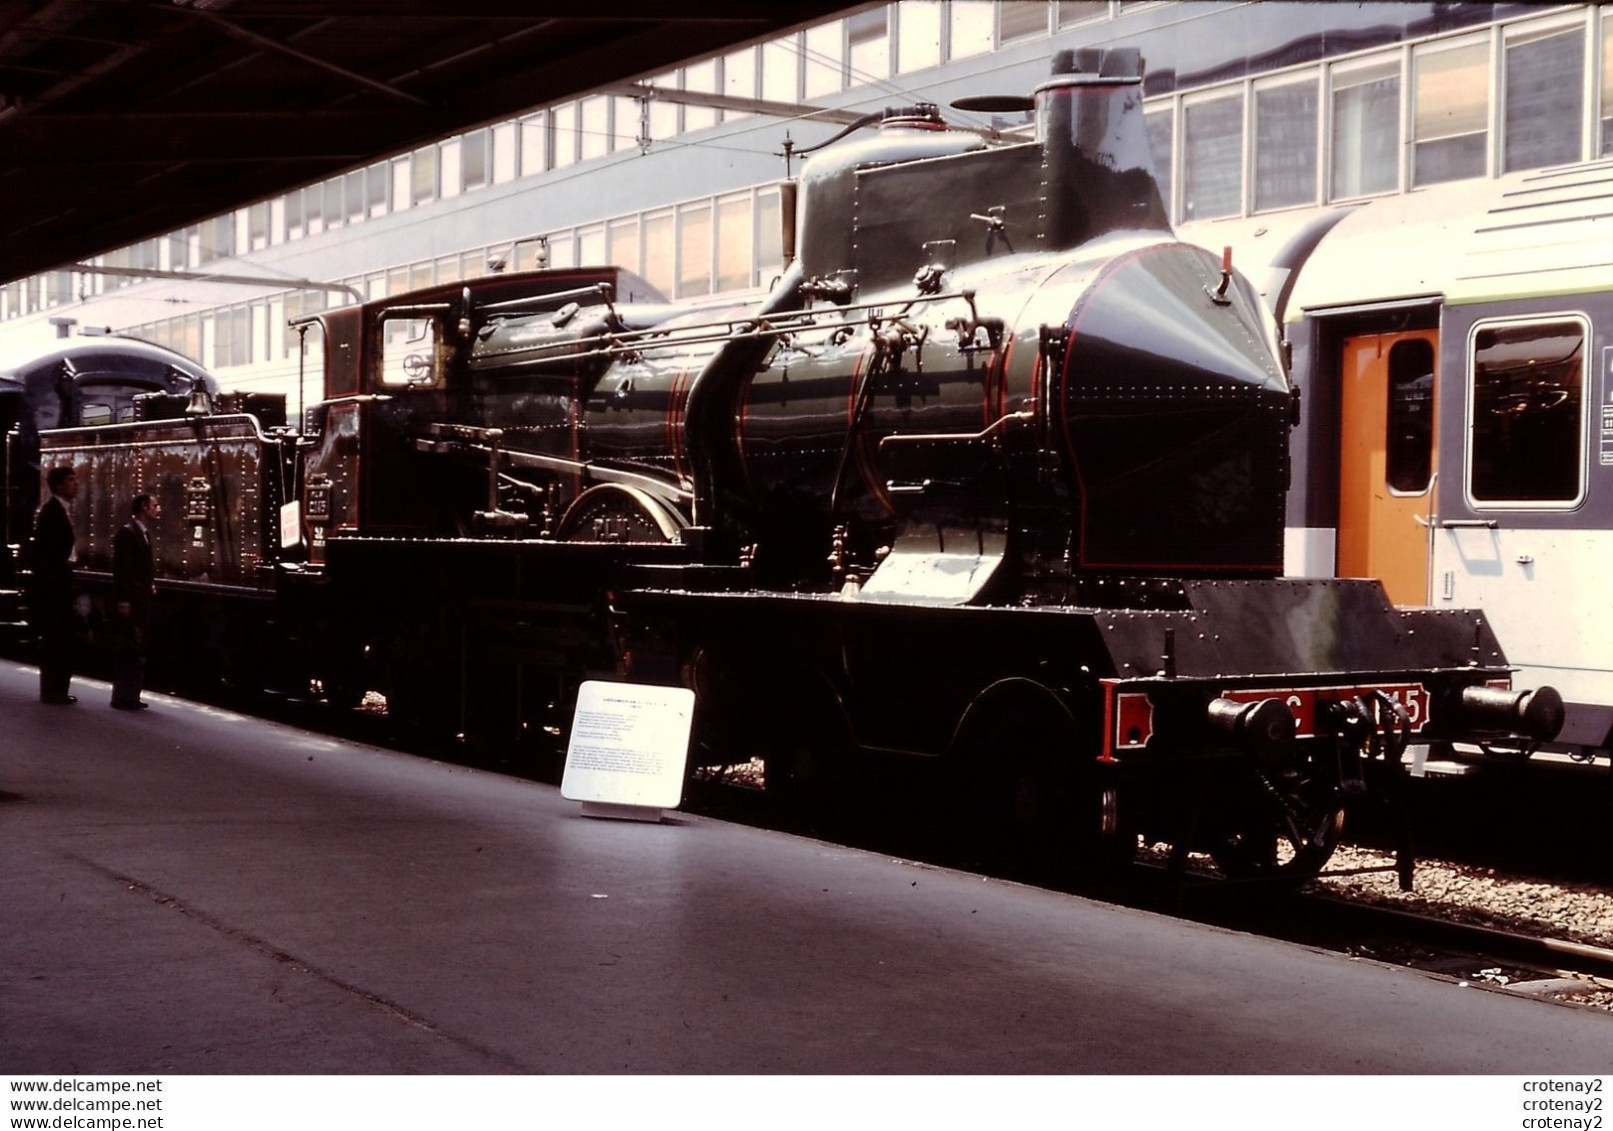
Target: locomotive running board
(937, 565)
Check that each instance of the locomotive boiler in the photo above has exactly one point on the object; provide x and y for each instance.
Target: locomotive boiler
(988, 486)
(992, 344)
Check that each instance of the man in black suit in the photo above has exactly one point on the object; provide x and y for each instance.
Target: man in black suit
(51, 590)
(132, 589)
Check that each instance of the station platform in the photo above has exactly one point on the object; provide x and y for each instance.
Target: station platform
(186, 890)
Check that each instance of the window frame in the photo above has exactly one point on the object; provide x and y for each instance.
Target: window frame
(437, 364)
(1430, 455)
(1587, 394)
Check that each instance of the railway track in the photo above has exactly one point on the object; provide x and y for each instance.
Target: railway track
(1471, 954)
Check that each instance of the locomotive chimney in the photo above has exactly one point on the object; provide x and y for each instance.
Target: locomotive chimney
(1100, 173)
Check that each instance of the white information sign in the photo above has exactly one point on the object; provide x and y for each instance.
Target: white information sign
(290, 524)
(629, 745)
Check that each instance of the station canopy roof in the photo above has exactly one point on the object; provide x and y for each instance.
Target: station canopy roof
(125, 119)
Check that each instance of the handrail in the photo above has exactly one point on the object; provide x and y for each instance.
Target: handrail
(616, 343)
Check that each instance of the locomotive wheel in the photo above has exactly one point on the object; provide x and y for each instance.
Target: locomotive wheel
(1028, 804)
(421, 686)
(808, 767)
(612, 512)
(1287, 832)
(808, 781)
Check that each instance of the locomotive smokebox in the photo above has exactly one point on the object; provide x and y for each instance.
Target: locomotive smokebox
(1175, 414)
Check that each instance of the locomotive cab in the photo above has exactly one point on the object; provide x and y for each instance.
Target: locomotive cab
(487, 376)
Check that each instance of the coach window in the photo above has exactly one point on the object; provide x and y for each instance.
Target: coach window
(1450, 112)
(411, 352)
(1212, 158)
(1526, 432)
(1607, 85)
(1409, 443)
(1544, 96)
(1285, 143)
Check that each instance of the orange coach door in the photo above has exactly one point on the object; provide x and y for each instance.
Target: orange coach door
(1387, 460)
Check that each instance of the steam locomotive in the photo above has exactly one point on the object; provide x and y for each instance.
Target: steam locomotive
(991, 481)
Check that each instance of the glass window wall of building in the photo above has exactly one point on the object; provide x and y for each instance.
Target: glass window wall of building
(1450, 111)
(1529, 92)
(1543, 84)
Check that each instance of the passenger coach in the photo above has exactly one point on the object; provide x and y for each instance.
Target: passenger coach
(1452, 349)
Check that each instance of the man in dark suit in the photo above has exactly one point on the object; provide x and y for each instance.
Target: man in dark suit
(132, 588)
(51, 590)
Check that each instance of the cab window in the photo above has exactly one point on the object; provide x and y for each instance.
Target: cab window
(411, 352)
